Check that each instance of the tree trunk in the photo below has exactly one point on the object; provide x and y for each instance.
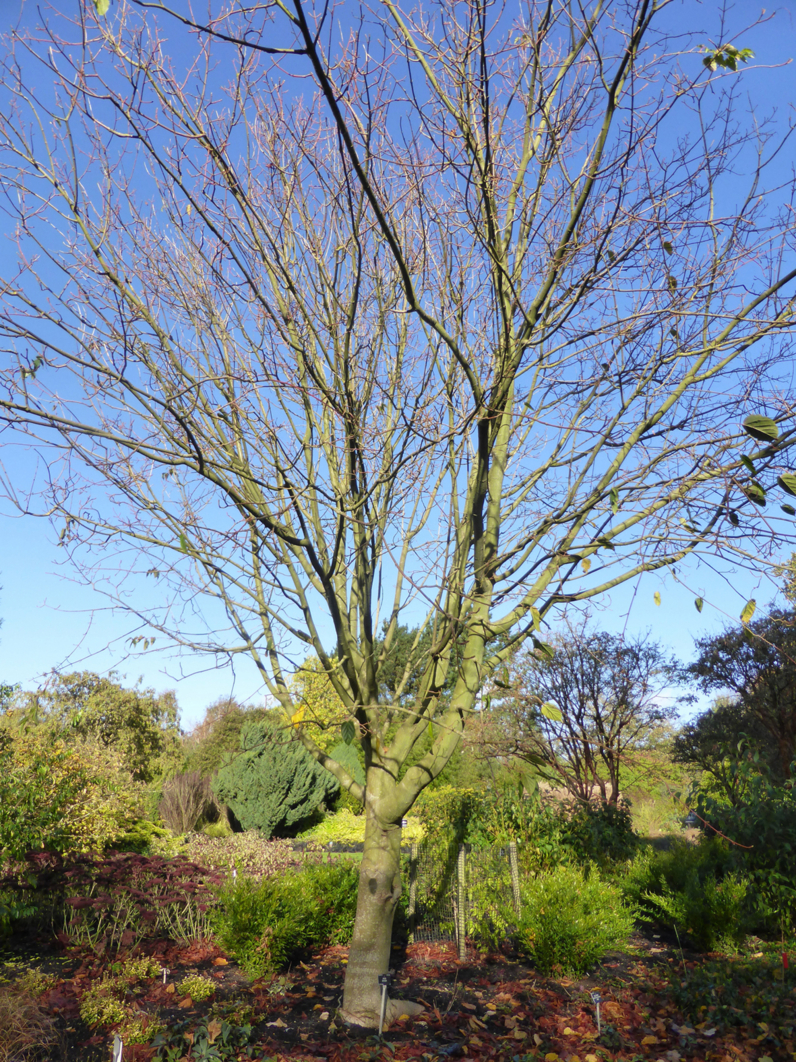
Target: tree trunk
(369, 956)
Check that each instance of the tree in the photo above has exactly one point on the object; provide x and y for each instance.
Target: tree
(756, 664)
(273, 784)
(439, 319)
(217, 738)
(589, 712)
(137, 723)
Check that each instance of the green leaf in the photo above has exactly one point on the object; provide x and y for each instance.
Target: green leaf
(672, 282)
(762, 428)
(748, 610)
(183, 542)
(788, 483)
(667, 247)
(614, 495)
(748, 464)
(733, 518)
(611, 256)
(606, 543)
(544, 648)
(755, 493)
(537, 619)
(698, 603)
(430, 731)
(788, 509)
(347, 731)
(552, 711)
(585, 565)
(102, 7)
(656, 597)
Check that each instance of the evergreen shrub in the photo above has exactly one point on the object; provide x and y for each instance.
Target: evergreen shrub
(569, 920)
(273, 784)
(699, 890)
(265, 924)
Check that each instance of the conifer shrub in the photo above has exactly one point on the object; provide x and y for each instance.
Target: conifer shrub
(273, 784)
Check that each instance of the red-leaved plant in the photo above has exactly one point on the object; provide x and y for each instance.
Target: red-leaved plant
(113, 901)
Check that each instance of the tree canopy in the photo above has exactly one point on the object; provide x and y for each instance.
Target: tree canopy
(587, 715)
(432, 317)
(138, 724)
(756, 665)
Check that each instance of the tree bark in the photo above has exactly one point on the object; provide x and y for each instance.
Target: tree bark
(369, 956)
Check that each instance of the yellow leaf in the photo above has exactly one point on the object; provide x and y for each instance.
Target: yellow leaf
(649, 1040)
(551, 1056)
(537, 1039)
(748, 610)
(298, 716)
(213, 1030)
(585, 565)
(518, 1034)
(656, 597)
(569, 1032)
(592, 1058)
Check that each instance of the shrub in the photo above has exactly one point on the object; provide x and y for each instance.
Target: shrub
(263, 925)
(61, 797)
(570, 919)
(761, 825)
(273, 784)
(112, 902)
(109, 1002)
(696, 889)
(197, 987)
(147, 838)
(345, 827)
(601, 833)
(185, 800)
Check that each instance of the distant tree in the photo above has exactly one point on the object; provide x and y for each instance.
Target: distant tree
(272, 784)
(756, 664)
(586, 713)
(719, 739)
(138, 723)
(217, 738)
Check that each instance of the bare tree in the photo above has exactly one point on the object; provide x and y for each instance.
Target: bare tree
(589, 713)
(441, 317)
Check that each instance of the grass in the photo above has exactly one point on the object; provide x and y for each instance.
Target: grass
(27, 1031)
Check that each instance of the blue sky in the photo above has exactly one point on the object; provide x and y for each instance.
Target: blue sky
(52, 621)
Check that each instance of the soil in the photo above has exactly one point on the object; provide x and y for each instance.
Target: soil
(487, 1006)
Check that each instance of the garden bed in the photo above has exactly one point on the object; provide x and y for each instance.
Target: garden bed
(488, 1006)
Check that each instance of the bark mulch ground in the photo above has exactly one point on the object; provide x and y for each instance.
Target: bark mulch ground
(490, 1007)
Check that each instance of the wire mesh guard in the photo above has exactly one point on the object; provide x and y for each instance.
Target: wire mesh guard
(455, 891)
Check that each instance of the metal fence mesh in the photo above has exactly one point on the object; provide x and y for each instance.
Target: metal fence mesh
(456, 891)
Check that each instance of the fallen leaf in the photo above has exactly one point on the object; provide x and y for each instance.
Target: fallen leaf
(220, 962)
(213, 1030)
(184, 1004)
(551, 1056)
(279, 1024)
(476, 1042)
(537, 1039)
(648, 1040)
(324, 1016)
(569, 1032)
(519, 1034)
(170, 990)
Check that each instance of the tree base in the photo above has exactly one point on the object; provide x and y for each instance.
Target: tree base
(396, 1008)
